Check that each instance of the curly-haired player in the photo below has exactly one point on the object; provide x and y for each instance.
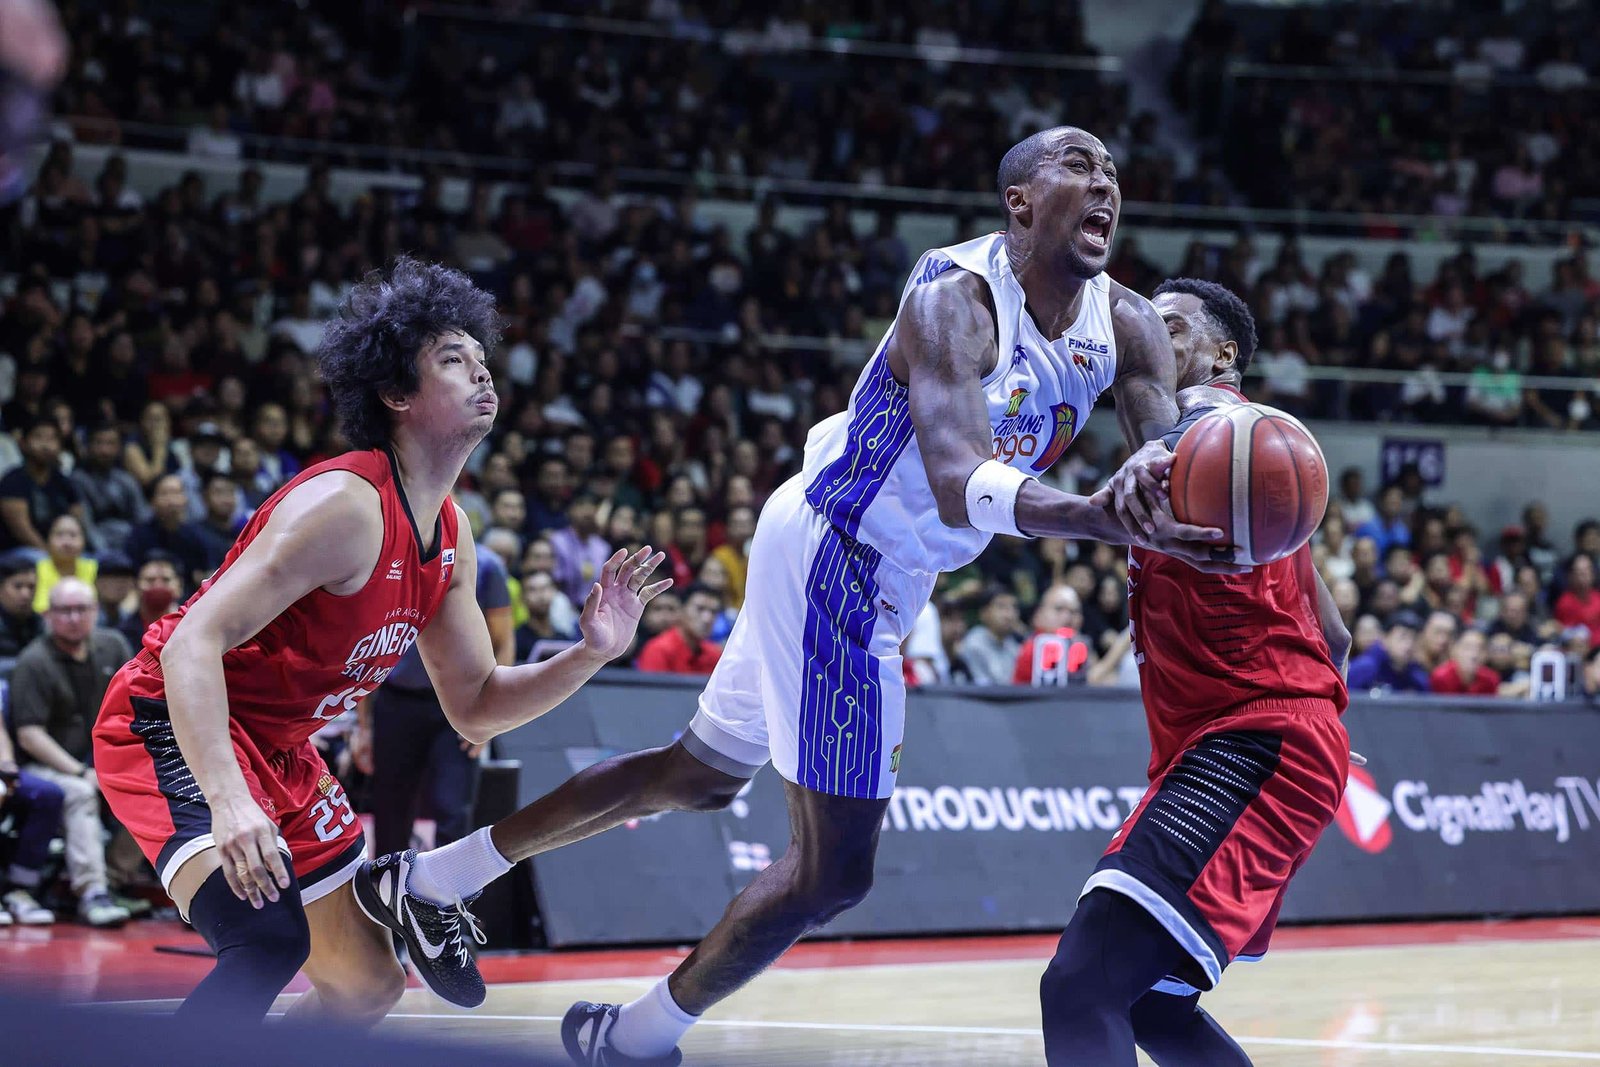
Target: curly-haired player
(202, 745)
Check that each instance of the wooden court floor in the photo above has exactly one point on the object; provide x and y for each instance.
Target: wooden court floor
(1488, 1001)
(1416, 995)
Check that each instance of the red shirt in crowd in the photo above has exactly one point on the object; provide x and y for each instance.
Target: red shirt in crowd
(1446, 679)
(670, 653)
(1077, 656)
(1572, 610)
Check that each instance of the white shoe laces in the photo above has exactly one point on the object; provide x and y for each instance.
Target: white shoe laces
(453, 924)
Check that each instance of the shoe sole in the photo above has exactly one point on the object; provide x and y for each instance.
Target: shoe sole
(372, 907)
(569, 1039)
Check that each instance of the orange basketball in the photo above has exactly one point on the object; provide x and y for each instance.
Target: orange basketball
(1254, 472)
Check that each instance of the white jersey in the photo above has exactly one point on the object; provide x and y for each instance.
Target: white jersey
(863, 470)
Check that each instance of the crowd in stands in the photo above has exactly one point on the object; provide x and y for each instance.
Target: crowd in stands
(724, 88)
(157, 382)
(1444, 110)
(1474, 318)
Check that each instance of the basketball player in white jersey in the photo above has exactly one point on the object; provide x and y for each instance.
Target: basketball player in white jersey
(999, 351)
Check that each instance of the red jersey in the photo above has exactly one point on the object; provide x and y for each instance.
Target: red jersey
(669, 652)
(1209, 645)
(322, 655)
(1446, 679)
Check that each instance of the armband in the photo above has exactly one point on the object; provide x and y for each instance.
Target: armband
(992, 490)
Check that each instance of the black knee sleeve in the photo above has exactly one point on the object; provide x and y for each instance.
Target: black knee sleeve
(1177, 1032)
(258, 950)
(1112, 952)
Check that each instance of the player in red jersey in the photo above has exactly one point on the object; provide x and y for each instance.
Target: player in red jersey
(1243, 685)
(202, 745)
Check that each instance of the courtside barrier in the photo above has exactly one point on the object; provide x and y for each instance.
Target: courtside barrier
(1006, 799)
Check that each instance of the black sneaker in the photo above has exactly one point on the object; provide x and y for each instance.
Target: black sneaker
(584, 1032)
(433, 935)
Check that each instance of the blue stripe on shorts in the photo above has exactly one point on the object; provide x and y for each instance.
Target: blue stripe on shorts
(841, 702)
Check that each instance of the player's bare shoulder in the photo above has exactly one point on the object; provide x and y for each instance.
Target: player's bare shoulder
(1205, 396)
(1133, 317)
(949, 317)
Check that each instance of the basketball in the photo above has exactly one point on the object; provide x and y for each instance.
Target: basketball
(1256, 473)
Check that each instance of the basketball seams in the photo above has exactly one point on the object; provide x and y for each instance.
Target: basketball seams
(1299, 486)
(1241, 478)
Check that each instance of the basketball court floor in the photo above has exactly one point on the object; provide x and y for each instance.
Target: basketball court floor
(1414, 995)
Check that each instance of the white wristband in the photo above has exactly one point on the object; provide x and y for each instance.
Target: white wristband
(992, 490)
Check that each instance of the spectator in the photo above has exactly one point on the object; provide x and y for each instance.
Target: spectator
(1433, 643)
(1465, 672)
(686, 647)
(1541, 553)
(734, 552)
(205, 457)
(19, 623)
(159, 587)
(114, 500)
(686, 548)
(923, 658)
(714, 576)
(1367, 632)
(1509, 660)
(1390, 665)
(168, 530)
(403, 738)
(1388, 527)
(563, 613)
(579, 548)
(56, 690)
(1400, 567)
(34, 804)
(220, 526)
(990, 648)
(538, 596)
(114, 588)
(33, 495)
(1589, 684)
(1352, 500)
(150, 455)
(249, 470)
(1580, 604)
(547, 507)
(1502, 571)
(509, 511)
(1340, 547)
(1055, 654)
(65, 559)
(1516, 620)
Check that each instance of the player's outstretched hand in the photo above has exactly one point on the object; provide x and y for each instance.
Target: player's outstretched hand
(612, 609)
(1139, 489)
(247, 844)
(1204, 548)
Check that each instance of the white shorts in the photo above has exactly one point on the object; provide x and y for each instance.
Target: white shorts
(810, 677)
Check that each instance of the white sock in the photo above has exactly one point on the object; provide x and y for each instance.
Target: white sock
(458, 870)
(652, 1025)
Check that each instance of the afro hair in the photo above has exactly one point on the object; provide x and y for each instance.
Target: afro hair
(371, 348)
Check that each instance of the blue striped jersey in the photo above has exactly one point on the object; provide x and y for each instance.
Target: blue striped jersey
(863, 470)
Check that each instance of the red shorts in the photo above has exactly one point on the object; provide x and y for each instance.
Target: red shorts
(153, 792)
(1222, 829)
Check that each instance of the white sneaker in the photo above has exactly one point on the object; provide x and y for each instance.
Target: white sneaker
(5, 917)
(27, 911)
